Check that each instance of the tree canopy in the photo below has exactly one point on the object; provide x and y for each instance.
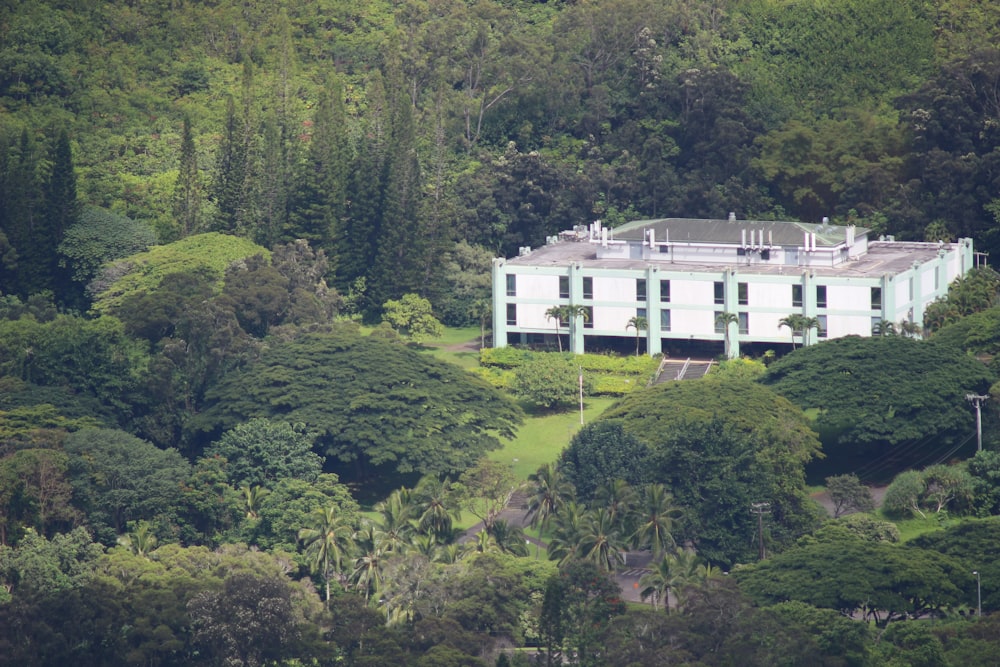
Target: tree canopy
(877, 398)
(719, 445)
(369, 403)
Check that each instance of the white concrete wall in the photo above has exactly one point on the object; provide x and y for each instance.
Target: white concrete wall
(767, 295)
(533, 286)
(532, 316)
(846, 325)
(613, 319)
(849, 297)
(692, 292)
(614, 289)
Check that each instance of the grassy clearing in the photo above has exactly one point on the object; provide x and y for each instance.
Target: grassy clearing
(917, 526)
(542, 437)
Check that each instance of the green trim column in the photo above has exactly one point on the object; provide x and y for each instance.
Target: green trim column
(809, 308)
(731, 281)
(499, 302)
(653, 337)
(889, 296)
(576, 275)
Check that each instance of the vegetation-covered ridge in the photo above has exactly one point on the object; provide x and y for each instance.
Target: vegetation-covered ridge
(228, 230)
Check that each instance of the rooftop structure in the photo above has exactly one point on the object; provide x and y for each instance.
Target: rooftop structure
(679, 276)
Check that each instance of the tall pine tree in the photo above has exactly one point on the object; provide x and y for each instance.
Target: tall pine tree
(399, 262)
(187, 190)
(318, 196)
(365, 201)
(230, 187)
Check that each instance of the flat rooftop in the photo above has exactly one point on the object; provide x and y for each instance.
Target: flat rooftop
(696, 230)
(883, 257)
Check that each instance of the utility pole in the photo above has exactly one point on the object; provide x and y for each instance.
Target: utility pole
(760, 509)
(977, 401)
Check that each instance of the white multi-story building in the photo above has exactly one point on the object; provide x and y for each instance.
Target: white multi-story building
(681, 274)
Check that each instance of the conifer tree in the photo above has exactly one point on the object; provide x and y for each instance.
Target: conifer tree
(365, 194)
(317, 200)
(399, 260)
(229, 188)
(25, 211)
(187, 191)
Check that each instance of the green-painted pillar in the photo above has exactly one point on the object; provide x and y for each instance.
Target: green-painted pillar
(653, 335)
(499, 302)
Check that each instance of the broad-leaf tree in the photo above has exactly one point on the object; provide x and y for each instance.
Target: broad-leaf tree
(371, 404)
(261, 452)
(877, 400)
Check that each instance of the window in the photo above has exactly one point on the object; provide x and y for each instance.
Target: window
(743, 293)
(744, 323)
(796, 296)
(512, 314)
(821, 296)
(911, 288)
(588, 288)
(720, 293)
(665, 291)
(640, 312)
(588, 320)
(511, 284)
(877, 326)
(720, 328)
(563, 287)
(640, 289)
(876, 298)
(822, 325)
(664, 320)
(937, 278)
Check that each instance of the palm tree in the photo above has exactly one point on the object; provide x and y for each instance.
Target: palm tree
(566, 533)
(509, 539)
(559, 314)
(794, 322)
(141, 541)
(654, 517)
(618, 497)
(327, 540)
(671, 575)
(684, 565)
(482, 310)
(252, 498)
(434, 503)
(567, 313)
(600, 540)
(367, 573)
(909, 329)
(726, 319)
(549, 492)
(884, 328)
(808, 324)
(640, 324)
(656, 584)
(397, 512)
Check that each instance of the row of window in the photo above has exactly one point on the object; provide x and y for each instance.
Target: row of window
(665, 324)
(588, 319)
(742, 292)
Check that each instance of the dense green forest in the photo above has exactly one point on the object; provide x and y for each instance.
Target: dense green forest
(225, 227)
(387, 133)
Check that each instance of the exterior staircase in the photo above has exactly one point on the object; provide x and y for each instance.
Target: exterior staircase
(688, 369)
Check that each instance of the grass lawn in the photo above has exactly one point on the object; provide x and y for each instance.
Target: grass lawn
(915, 527)
(541, 438)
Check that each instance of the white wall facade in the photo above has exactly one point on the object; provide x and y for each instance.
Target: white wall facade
(850, 307)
